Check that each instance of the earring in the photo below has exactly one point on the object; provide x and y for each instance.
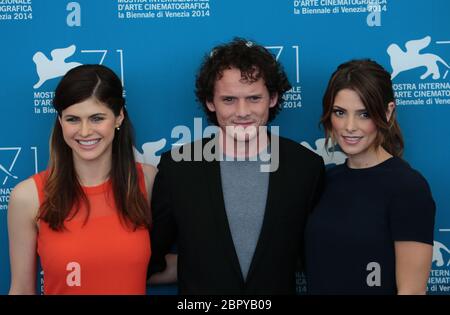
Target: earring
(118, 128)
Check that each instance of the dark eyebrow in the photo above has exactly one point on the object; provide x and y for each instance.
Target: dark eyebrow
(75, 116)
(69, 116)
(344, 110)
(223, 96)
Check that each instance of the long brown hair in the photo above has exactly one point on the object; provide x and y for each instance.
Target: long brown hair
(374, 86)
(63, 191)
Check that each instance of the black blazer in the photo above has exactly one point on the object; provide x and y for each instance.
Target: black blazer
(188, 209)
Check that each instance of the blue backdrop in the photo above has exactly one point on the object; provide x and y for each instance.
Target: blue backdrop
(156, 47)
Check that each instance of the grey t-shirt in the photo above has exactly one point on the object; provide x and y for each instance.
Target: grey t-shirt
(245, 193)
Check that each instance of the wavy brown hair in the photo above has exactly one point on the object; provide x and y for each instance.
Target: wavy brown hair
(374, 86)
(63, 192)
(254, 62)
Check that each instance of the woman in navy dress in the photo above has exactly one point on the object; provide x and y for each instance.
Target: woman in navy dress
(372, 230)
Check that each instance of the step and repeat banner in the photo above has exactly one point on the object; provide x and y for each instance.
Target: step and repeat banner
(156, 47)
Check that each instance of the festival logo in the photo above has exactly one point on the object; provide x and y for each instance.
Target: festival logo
(7, 166)
(439, 280)
(150, 150)
(59, 64)
(421, 77)
(13, 162)
(439, 252)
(289, 55)
(329, 155)
(412, 58)
(56, 67)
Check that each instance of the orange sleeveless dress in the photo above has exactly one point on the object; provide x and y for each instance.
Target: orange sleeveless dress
(101, 257)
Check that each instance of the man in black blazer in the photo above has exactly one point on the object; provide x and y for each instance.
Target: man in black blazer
(236, 204)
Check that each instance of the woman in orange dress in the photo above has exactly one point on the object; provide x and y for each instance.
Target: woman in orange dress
(87, 216)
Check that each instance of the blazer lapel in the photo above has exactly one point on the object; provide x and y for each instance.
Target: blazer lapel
(269, 221)
(213, 181)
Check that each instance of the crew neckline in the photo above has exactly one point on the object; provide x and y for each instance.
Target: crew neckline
(265, 152)
(97, 188)
(365, 169)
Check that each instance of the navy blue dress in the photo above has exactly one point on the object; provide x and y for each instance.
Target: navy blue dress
(349, 240)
